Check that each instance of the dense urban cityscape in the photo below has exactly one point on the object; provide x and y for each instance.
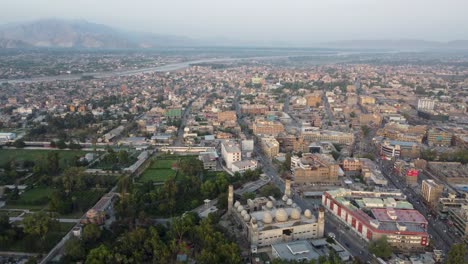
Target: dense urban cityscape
(229, 132)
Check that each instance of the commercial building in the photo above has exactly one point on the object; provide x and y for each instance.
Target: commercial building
(328, 135)
(426, 104)
(433, 115)
(392, 149)
(375, 214)
(270, 146)
(314, 168)
(363, 100)
(314, 99)
(271, 128)
(244, 165)
(459, 218)
(267, 221)
(439, 137)
(254, 109)
(290, 143)
(294, 251)
(230, 152)
(209, 159)
(364, 167)
(431, 191)
(449, 172)
(227, 116)
(369, 119)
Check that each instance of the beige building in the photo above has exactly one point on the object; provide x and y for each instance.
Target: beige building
(437, 137)
(363, 100)
(271, 128)
(314, 99)
(266, 222)
(314, 168)
(431, 191)
(270, 146)
(227, 116)
(327, 135)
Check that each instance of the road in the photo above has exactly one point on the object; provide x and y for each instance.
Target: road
(179, 142)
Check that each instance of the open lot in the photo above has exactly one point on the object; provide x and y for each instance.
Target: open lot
(66, 157)
(159, 171)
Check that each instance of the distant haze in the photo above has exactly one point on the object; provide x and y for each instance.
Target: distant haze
(260, 22)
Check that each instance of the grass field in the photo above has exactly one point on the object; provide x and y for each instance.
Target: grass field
(163, 164)
(67, 157)
(33, 199)
(156, 175)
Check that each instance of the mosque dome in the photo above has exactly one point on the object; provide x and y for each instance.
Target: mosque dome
(246, 217)
(281, 215)
(267, 218)
(240, 208)
(244, 212)
(289, 202)
(285, 197)
(295, 214)
(269, 204)
(236, 204)
(308, 213)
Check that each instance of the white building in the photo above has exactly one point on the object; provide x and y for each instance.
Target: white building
(426, 104)
(247, 145)
(7, 136)
(244, 165)
(230, 152)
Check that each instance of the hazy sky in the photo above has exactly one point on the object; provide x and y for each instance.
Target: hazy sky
(299, 21)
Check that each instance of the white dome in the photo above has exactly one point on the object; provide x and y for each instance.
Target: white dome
(294, 205)
(289, 202)
(267, 218)
(254, 220)
(281, 215)
(295, 214)
(308, 213)
(269, 204)
(246, 217)
(285, 197)
(236, 204)
(244, 212)
(240, 208)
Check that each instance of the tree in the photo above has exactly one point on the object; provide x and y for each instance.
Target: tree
(19, 143)
(365, 130)
(99, 255)
(381, 248)
(61, 144)
(53, 162)
(456, 254)
(91, 233)
(74, 249)
(122, 156)
(270, 190)
(39, 224)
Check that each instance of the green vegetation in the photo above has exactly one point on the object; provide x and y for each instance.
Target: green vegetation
(457, 254)
(456, 156)
(66, 157)
(381, 248)
(114, 161)
(159, 171)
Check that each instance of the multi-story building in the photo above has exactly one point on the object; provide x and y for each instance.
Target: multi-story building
(270, 146)
(366, 168)
(367, 119)
(426, 104)
(254, 109)
(439, 137)
(271, 128)
(314, 168)
(391, 149)
(227, 116)
(230, 152)
(328, 135)
(351, 164)
(459, 218)
(431, 191)
(247, 145)
(449, 172)
(375, 214)
(363, 100)
(290, 143)
(314, 99)
(266, 222)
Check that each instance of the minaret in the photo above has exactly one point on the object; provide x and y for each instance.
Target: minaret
(230, 198)
(321, 222)
(287, 188)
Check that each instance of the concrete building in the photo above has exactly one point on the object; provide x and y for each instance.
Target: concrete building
(375, 214)
(247, 145)
(431, 191)
(244, 165)
(328, 135)
(294, 251)
(314, 168)
(254, 109)
(227, 116)
(391, 149)
(363, 100)
(270, 146)
(459, 219)
(209, 159)
(439, 137)
(230, 153)
(266, 221)
(314, 99)
(271, 128)
(426, 104)
(7, 136)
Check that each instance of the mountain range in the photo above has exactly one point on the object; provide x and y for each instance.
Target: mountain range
(58, 33)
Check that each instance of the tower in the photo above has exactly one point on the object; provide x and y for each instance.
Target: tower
(287, 188)
(230, 197)
(321, 222)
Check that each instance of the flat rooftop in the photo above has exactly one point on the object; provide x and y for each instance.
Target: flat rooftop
(402, 216)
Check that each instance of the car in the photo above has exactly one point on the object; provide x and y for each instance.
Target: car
(332, 235)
